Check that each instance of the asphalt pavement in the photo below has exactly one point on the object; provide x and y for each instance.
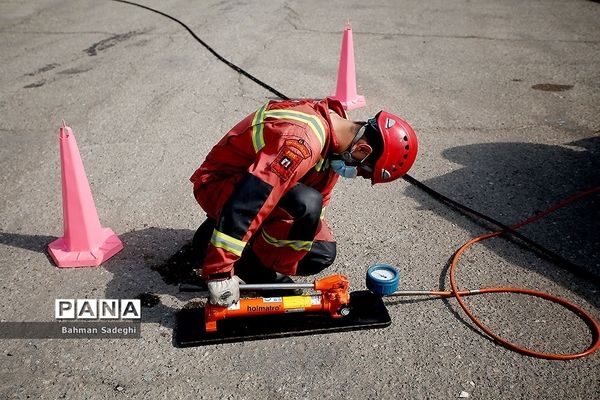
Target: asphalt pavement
(504, 96)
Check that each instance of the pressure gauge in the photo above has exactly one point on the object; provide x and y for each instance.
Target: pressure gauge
(382, 279)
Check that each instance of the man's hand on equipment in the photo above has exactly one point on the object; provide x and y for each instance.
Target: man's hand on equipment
(225, 292)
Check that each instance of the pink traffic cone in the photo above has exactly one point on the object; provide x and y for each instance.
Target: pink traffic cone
(85, 243)
(346, 81)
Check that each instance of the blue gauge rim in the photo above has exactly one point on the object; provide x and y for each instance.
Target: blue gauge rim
(386, 267)
(379, 286)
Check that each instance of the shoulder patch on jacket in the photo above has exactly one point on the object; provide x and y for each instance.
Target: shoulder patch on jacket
(286, 162)
(300, 145)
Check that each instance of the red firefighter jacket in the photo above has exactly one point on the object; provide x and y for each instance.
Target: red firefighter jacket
(245, 175)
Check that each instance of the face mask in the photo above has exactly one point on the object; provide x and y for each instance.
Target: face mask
(340, 168)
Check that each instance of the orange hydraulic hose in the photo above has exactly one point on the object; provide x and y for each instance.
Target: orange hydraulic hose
(586, 317)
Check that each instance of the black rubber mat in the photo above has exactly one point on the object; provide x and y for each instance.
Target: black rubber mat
(367, 311)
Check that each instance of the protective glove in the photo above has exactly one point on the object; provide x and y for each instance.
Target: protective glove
(225, 292)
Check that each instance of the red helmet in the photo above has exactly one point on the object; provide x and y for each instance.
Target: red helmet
(399, 147)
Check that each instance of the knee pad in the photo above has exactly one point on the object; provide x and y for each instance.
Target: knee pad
(321, 256)
(303, 202)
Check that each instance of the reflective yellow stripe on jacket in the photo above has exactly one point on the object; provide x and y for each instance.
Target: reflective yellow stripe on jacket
(226, 242)
(258, 141)
(312, 121)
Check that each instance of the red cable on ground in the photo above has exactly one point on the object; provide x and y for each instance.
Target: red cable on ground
(586, 317)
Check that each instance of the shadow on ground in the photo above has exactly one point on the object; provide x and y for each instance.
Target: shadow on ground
(512, 181)
(153, 262)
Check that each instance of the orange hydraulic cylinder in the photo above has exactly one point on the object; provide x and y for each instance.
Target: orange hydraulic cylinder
(333, 299)
(261, 306)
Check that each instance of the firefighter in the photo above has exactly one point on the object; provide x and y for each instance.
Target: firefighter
(265, 184)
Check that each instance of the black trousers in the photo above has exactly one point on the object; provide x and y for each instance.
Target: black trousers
(304, 204)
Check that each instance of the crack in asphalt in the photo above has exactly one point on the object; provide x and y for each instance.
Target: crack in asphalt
(419, 35)
(109, 42)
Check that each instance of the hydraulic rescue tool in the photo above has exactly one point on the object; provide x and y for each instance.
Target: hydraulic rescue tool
(334, 300)
(331, 308)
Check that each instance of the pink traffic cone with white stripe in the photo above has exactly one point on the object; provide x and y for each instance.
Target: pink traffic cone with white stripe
(85, 243)
(346, 80)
